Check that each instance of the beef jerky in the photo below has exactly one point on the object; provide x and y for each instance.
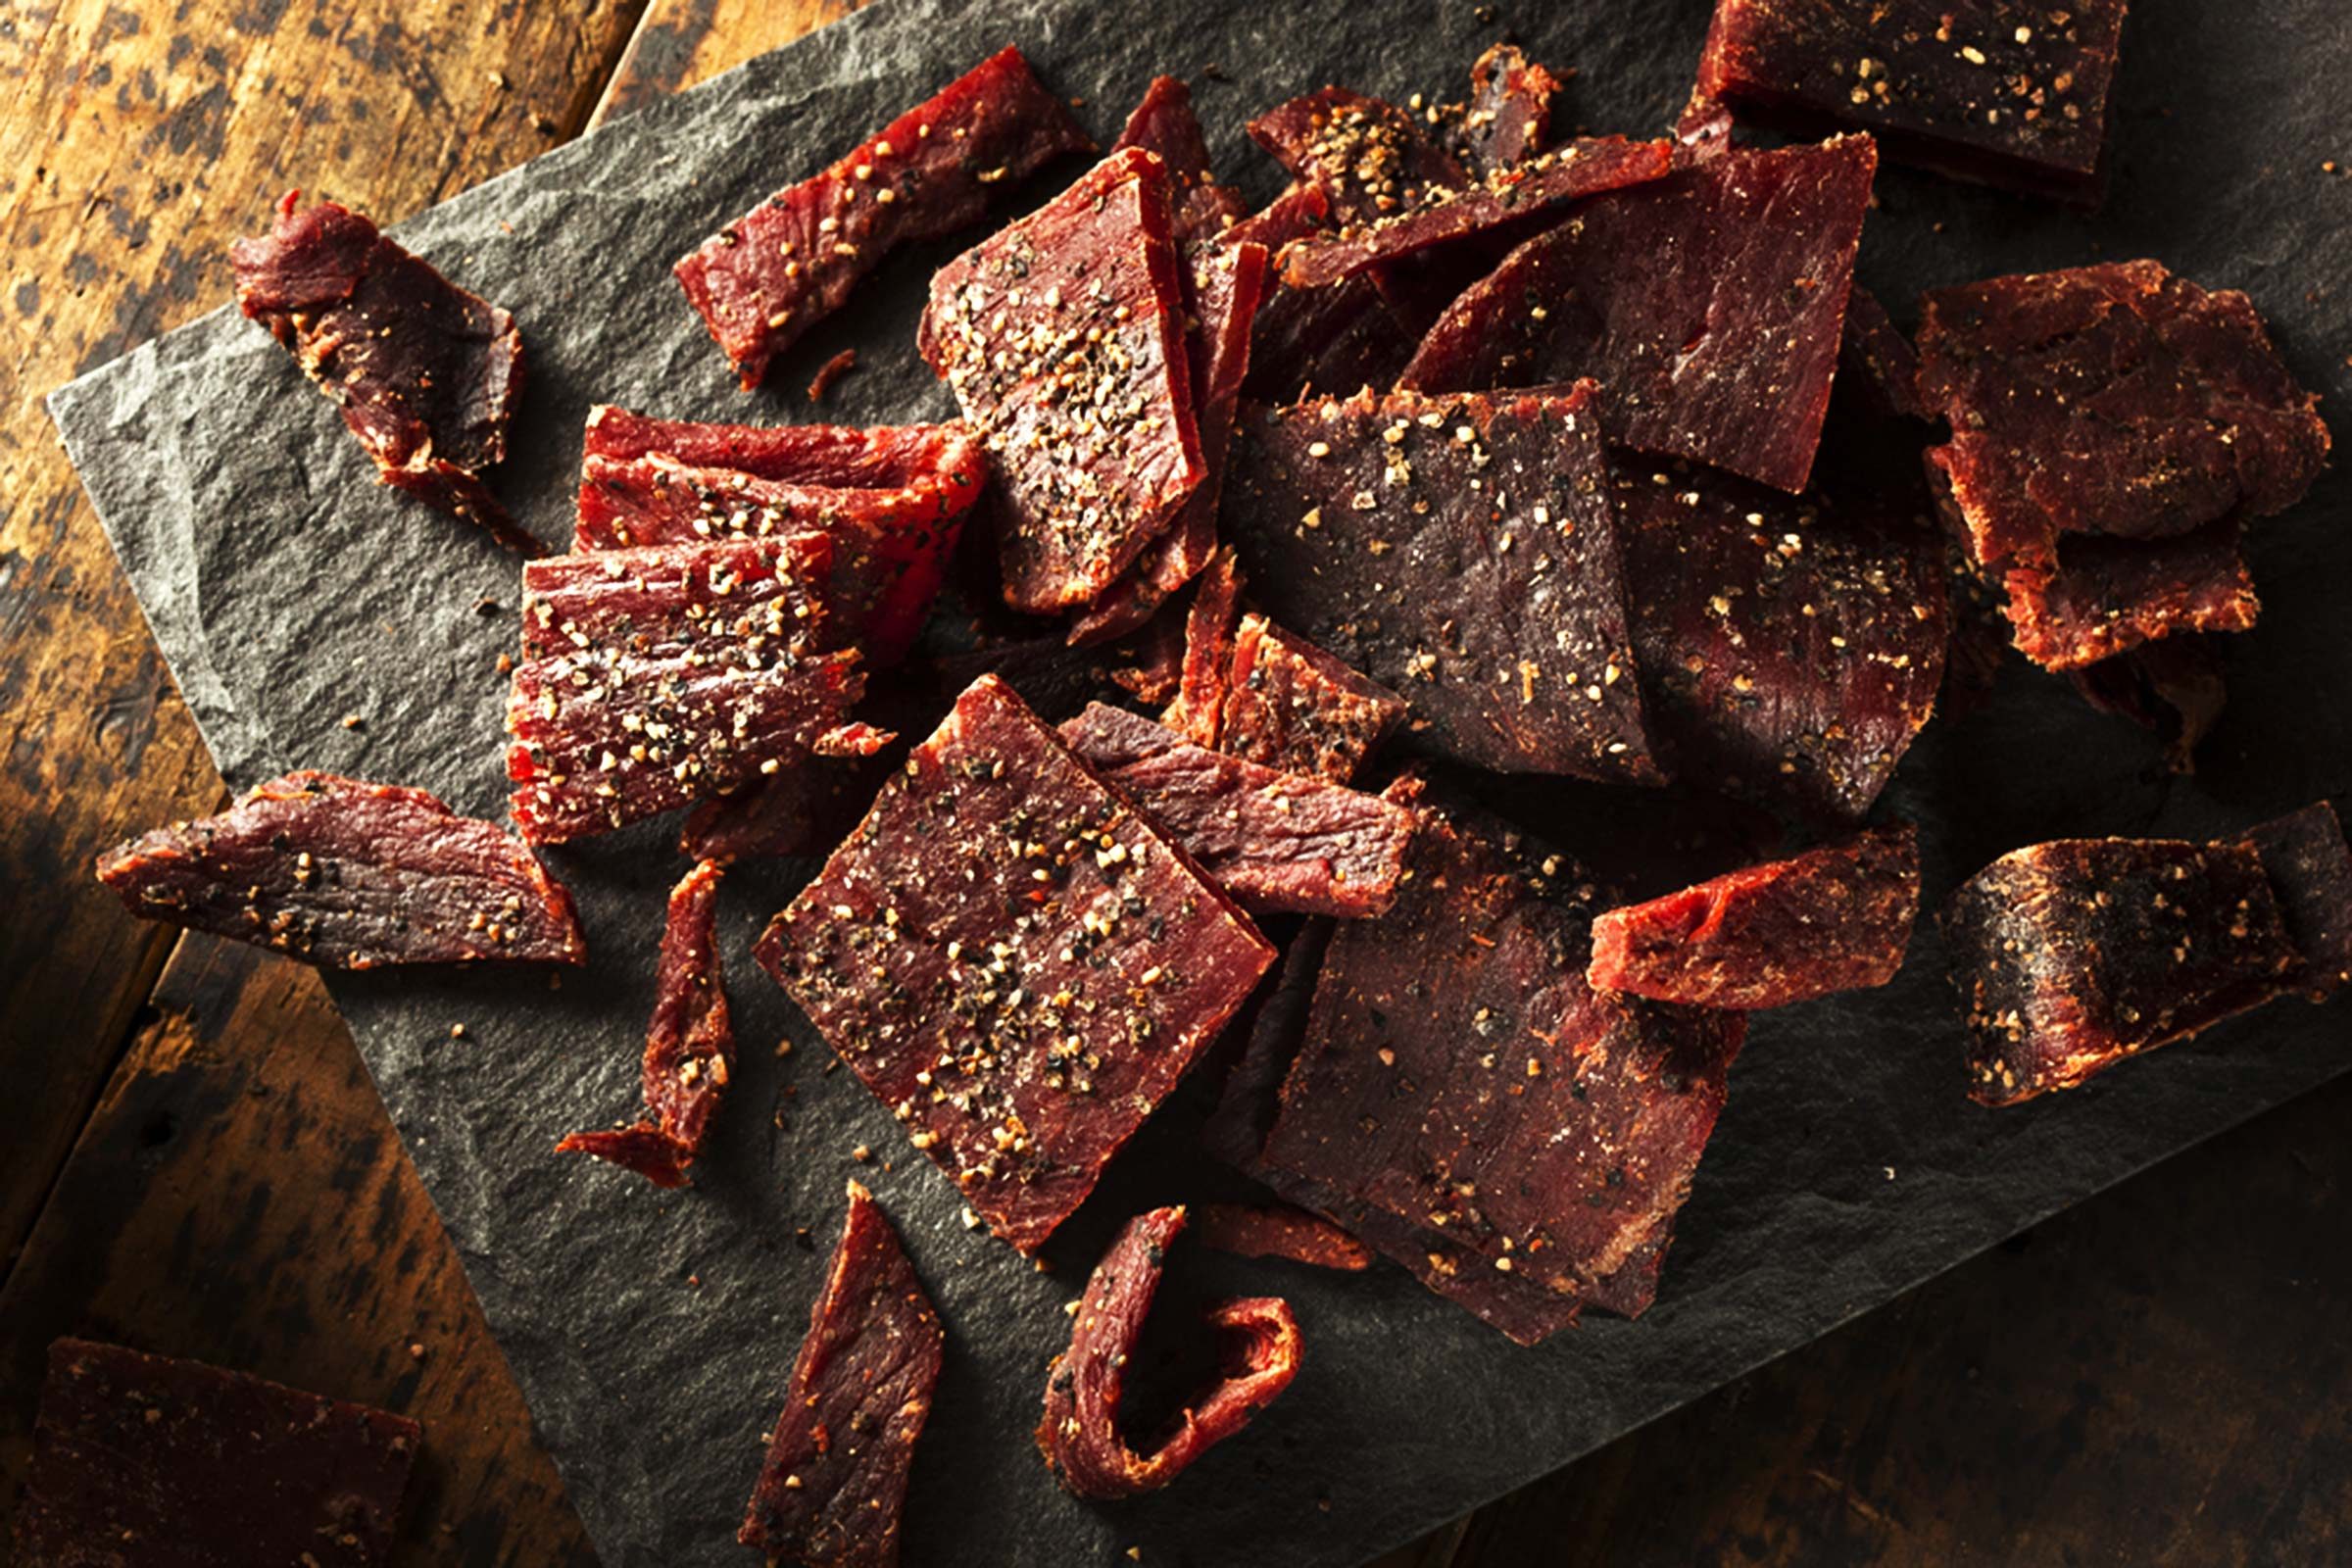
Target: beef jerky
(1367, 157)
(349, 875)
(1274, 841)
(2174, 689)
(1710, 304)
(2008, 92)
(2109, 596)
(790, 812)
(834, 1483)
(427, 373)
(2114, 399)
(833, 369)
(1062, 338)
(777, 270)
(1147, 664)
(140, 1461)
(1208, 626)
(1270, 1030)
(660, 676)
(1014, 961)
(1508, 117)
(689, 1047)
(1163, 125)
(1462, 551)
(1282, 1232)
(2310, 869)
(1079, 1433)
(1790, 649)
(1837, 918)
(2070, 956)
(1338, 338)
(1286, 703)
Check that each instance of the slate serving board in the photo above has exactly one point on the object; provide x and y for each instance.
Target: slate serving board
(653, 1331)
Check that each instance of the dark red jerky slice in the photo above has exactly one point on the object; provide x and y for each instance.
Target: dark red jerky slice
(1368, 157)
(1270, 1030)
(832, 371)
(2114, 399)
(2071, 956)
(833, 1485)
(792, 811)
(1287, 703)
(1062, 338)
(1015, 963)
(1337, 338)
(1282, 1232)
(427, 373)
(1878, 361)
(1710, 304)
(2310, 869)
(640, 1146)
(2008, 92)
(1837, 918)
(1147, 664)
(1274, 841)
(1163, 125)
(349, 875)
(2110, 596)
(2174, 689)
(141, 1461)
(1476, 577)
(1208, 626)
(1508, 117)
(1079, 1433)
(790, 262)
(1790, 649)
(703, 597)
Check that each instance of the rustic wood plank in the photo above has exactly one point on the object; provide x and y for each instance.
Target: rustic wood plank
(682, 43)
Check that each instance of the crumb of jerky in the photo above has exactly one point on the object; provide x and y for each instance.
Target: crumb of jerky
(832, 371)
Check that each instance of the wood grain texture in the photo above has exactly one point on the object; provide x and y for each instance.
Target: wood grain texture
(685, 41)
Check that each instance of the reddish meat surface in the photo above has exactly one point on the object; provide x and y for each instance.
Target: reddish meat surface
(1508, 117)
(792, 811)
(1079, 1433)
(833, 1485)
(1163, 125)
(1282, 1232)
(790, 262)
(1336, 339)
(349, 875)
(1208, 626)
(1832, 919)
(2110, 594)
(1014, 961)
(426, 374)
(1147, 664)
(2310, 869)
(1268, 1031)
(1289, 704)
(1368, 159)
(138, 1460)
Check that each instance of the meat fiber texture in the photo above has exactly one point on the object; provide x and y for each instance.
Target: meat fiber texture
(2112, 595)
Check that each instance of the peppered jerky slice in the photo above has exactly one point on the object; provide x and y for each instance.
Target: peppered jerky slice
(427, 373)
(2109, 596)
(1283, 1232)
(1062, 338)
(1208, 626)
(1333, 339)
(833, 1485)
(1079, 1433)
(1287, 703)
(769, 276)
(1835, 919)
(2310, 869)
(1460, 550)
(1275, 841)
(1014, 960)
(2071, 956)
(2114, 399)
(689, 1047)
(1790, 648)
(1366, 157)
(349, 875)
(141, 1461)
(2006, 92)
(1163, 125)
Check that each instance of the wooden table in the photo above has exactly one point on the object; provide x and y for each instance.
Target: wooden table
(195, 1161)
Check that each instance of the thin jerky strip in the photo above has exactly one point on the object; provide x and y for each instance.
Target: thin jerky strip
(833, 1485)
(349, 875)
(1163, 125)
(1283, 1232)
(1287, 705)
(1079, 1435)
(2109, 596)
(792, 260)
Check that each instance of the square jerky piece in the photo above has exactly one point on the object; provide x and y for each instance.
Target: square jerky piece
(2311, 879)
(2114, 399)
(658, 677)
(1014, 961)
(1461, 551)
(790, 262)
(1710, 304)
(1062, 338)
(1831, 919)
(2070, 956)
(2109, 596)
(1274, 841)
(349, 875)
(1790, 649)
(2008, 92)
(833, 1485)
(1289, 704)
(426, 374)
(142, 1460)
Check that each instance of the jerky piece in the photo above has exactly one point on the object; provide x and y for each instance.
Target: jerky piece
(2114, 399)
(2071, 956)
(1270, 1030)
(349, 875)
(2174, 689)
(790, 262)
(1275, 841)
(1508, 118)
(1014, 961)
(689, 1047)
(1462, 551)
(1149, 664)
(1339, 338)
(1163, 125)
(1208, 626)
(1710, 304)
(2310, 869)
(2003, 91)
(1367, 157)
(790, 812)
(427, 373)
(1878, 362)
(1831, 919)
(834, 1483)
(1282, 1232)
(1289, 704)
(139, 1460)
(1790, 649)
(1080, 1435)
(1062, 338)
(2110, 596)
